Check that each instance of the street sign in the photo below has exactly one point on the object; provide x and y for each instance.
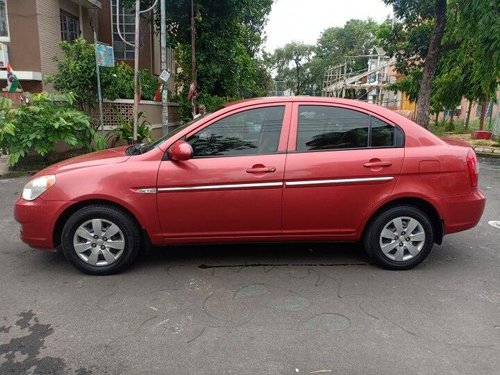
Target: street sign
(165, 76)
(104, 55)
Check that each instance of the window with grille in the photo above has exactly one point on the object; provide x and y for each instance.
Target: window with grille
(4, 22)
(70, 26)
(122, 50)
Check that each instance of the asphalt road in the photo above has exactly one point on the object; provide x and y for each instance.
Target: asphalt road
(267, 309)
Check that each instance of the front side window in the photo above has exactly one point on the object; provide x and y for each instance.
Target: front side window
(251, 132)
(126, 22)
(70, 26)
(332, 128)
(4, 22)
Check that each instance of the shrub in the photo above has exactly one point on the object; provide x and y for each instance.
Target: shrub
(42, 122)
(76, 73)
(211, 102)
(125, 131)
(121, 83)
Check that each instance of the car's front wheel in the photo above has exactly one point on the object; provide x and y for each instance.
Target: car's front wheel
(100, 240)
(399, 238)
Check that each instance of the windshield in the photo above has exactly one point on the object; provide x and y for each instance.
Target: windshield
(152, 145)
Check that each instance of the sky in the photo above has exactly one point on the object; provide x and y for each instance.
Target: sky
(304, 20)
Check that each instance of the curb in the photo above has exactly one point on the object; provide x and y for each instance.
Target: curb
(482, 154)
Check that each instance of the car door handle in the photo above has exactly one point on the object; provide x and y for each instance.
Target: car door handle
(261, 170)
(376, 164)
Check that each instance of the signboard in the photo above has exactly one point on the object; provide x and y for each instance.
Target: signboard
(4, 56)
(165, 76)
(104, 55)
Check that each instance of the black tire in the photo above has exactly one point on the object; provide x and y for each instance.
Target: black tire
(400, 257)
(123, 246)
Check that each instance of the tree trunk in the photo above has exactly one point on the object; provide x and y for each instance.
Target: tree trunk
(467, 120)
(431, 62)
(484, 108)
(297, 91)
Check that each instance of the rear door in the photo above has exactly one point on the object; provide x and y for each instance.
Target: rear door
(340, 163)
(233, 184)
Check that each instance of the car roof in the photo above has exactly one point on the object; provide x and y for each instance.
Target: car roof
(313, 100)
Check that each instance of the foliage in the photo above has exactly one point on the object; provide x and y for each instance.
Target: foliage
(211, 102)
(125, 131)
(409, 84)
(292, 64)
(469, 60)
(122, 83)
(417, 44)
(355, 38)
(76, 73)
(234, 27)
(37, 126)
(302, 67)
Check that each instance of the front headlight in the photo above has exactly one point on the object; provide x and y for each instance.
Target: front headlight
(37, 187)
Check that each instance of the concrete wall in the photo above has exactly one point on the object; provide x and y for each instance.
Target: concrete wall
(24, 51)
(49, 29)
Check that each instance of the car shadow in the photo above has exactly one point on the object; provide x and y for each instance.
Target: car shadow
(257, 255)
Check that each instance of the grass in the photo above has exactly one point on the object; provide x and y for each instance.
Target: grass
(457, 130)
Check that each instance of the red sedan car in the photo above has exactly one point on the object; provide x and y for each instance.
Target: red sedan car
(272, 169)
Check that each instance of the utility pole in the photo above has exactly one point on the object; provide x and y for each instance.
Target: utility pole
(163, 47)
(193, 56)
(137, 74)
(136, 45)
(99, 93)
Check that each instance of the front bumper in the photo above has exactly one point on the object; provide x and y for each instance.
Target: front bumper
(38, 219)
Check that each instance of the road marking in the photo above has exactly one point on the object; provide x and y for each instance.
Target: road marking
(495, 223)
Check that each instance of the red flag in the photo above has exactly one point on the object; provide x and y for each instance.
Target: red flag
(192, 91)
(158, 93)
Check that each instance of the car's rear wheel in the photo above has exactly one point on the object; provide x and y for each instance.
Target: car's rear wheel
(100, 240)
(399, 238)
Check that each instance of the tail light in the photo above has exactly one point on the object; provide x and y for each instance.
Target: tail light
(473, 166)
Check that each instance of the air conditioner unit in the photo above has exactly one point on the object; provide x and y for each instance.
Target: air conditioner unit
(4, 56)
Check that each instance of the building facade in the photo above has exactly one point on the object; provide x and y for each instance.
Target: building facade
(31, 30)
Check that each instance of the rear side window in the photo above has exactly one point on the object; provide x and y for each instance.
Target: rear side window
(332, 128)
(251, 132)
(329, 128)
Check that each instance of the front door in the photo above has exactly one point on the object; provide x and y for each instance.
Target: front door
(232, 186)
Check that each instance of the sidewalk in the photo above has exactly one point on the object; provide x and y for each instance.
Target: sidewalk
(484, 151)
(4, 168)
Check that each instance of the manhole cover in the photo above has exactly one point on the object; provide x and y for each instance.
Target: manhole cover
(494, 223)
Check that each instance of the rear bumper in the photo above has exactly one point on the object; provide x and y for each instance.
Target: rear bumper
(462, 212)
(37, 219)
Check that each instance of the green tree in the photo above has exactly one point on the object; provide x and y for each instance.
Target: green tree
(76, 73)
(36, 126)
(355, 38)
(476, 32)
(228, 40)
(292, 64)
(417, 44)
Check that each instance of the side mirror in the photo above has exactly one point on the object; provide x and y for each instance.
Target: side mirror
(180, 151)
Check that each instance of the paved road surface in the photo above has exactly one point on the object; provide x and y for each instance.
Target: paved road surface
(267, 309)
